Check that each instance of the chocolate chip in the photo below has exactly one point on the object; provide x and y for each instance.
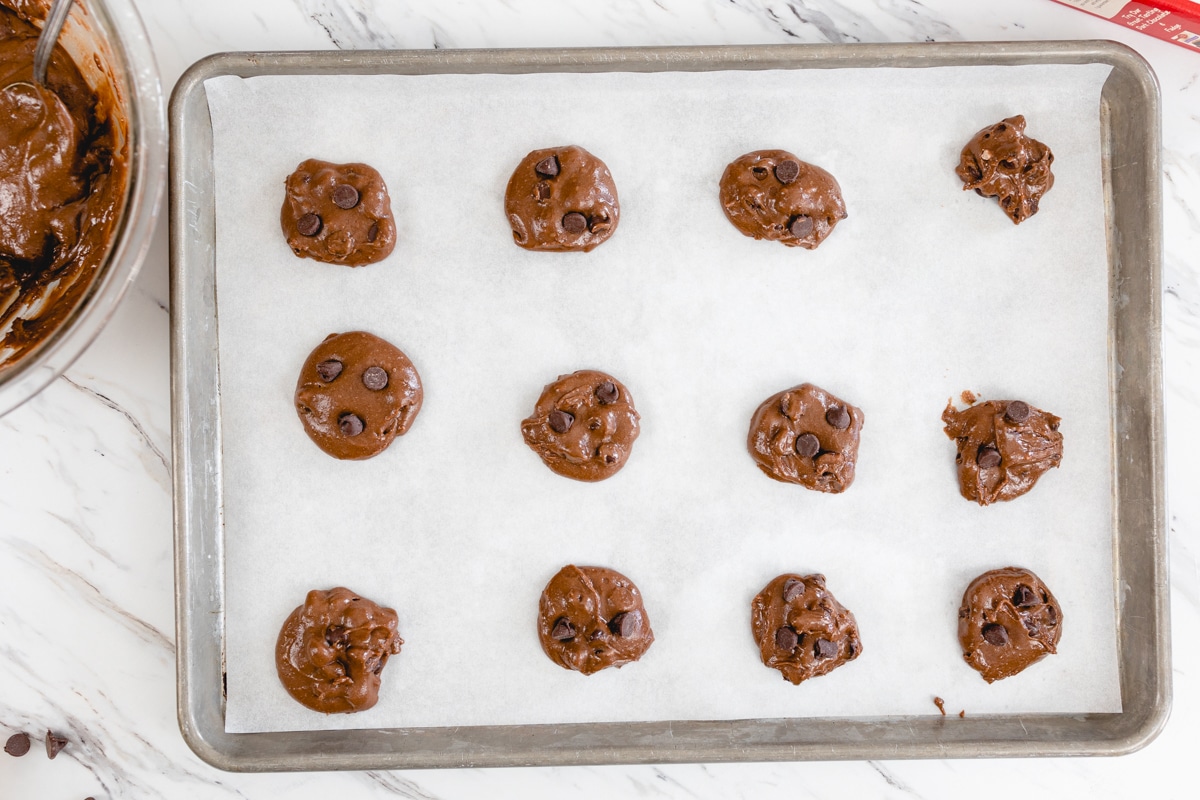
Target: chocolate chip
(373, 232)
(350, 424)
(792, 588)
(607, 393)
(574, 222)
(542, 191)
(759, 172)
(17, 744)
(337, 636)
(328, 370)
(626, 624)
(786, 638)
(1017, 411)
(54, 744)
(345, 196)
(1051, 615)
(823, 648)
(375, 378)
(987, 457)
(561, 421)
(807, 445)
(838, 418)
(787, 171)
(309, 225)
(563, 630)
(995, 634)
(547, 167)
(801, 226)
(1024, 596)
(853, 648)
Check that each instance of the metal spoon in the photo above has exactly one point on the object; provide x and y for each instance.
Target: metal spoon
(51, 29)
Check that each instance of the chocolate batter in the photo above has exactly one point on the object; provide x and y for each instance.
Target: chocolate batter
(584, 426)
(1002, 162)
(1008, 620)
(561, 199)
(356, 393)
(807, 436)
(771, 194)
(333, 648)
(338, 213)
(1004, 446)
(592, 618)
(63, 177)
(801, 629)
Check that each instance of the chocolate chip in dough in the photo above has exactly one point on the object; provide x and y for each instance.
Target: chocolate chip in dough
(1023, 596)
(801, 226)
(17, 744)
(309, 225)
(625, 624)
(373, 232)
(838, 418)
(54, 744)
(1017, 411)
(792, 589)
(787, 171)
(574, 222)
(542, 191)
(350, 424)
(561, 421)
(345, 196)
(547, 167)
(375, 378)
(823, 648)
(987, 457)
(330, 369)
(607, 393)
(563, 630)
(995, 634)
(807, 445)
(786, 638)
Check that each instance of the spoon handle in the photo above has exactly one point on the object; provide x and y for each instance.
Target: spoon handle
(48, 38)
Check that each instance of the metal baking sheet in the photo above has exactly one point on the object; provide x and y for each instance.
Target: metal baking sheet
(1129, 122)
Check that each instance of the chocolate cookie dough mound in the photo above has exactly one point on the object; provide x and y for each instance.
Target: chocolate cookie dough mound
(801, 629)
(592, 618)
(584, 426)
(561, 199)
(338, 213)
(807, 436)
(332, 650)
(356, 393)
(1008, 620)
(771, 194)
(1002, 162)
(1004, 446)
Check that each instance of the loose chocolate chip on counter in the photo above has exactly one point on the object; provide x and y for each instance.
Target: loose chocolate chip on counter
(626, 624)
(607, 393)
(17, 744)
(838, 417)
(995, 634)
(823, 648)
(54, 744)
(561, 421)
(786, 638)
(574, 222)
(1017, 411)
(309, 225)
(547, 167)
(792, 589)
(350, 424)
(373, 232)
(328, 370)
(375, 378)
(345, 196)
(801, 226)
(807, 445)
(987, 457)
(1023, 596)
(563, 630)
(787, 171)
(542, 191)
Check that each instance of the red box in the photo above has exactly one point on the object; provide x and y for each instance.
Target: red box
(1176, 21)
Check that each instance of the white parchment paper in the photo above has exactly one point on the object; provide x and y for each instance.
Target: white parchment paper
(924, 291)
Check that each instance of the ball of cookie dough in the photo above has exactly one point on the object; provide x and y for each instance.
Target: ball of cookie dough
(1002, 162)
(801, 629)
(338, 213)
(332, 650)
(561, 199)
(592, 618)
(771, 194)
(807, 436)
(1007, 621)
(356, 393)
(1004, 446)
(584, 426)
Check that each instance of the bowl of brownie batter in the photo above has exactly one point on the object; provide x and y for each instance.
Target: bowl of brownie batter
(82, 170)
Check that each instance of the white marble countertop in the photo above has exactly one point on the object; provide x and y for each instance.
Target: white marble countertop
(86, 585)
